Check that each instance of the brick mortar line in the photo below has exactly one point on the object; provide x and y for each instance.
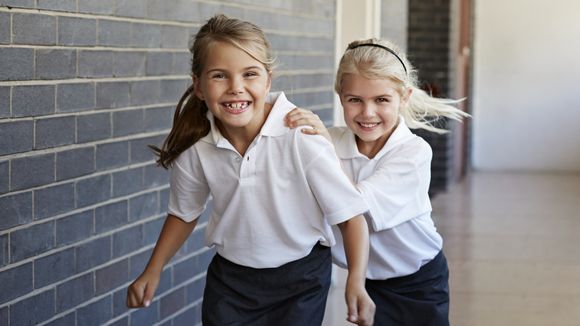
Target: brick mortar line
(310, 90)
(270, 10)
(301, 72)
(92, 48)
(178, 312)
(91, 80)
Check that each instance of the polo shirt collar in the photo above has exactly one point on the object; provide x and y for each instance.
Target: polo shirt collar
(273, 126)
(346, 147)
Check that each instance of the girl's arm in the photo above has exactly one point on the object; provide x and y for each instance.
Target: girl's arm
(361, 309)
(174, 233)
(301, 117)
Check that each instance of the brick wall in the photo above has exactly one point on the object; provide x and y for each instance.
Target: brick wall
(428, 50)
(84, 87)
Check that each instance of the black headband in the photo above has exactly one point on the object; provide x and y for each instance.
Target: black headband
(382, 47)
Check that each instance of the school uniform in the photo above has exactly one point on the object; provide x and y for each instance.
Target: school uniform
(270, 220)
(407, 275)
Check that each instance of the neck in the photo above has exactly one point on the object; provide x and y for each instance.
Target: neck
(242, 137)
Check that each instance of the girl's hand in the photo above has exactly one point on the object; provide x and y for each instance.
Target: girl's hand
(301, 117)
(361, 308)
(140, 293)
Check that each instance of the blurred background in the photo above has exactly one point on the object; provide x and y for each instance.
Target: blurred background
(86, 85)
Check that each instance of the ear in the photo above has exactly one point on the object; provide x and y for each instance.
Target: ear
(407, 92)
(197, 87)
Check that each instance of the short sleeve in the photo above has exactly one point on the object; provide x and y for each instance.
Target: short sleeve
(189, 192)
(397, 191)
(336, 195)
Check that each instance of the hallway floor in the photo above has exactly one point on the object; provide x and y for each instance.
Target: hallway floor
(512, 245)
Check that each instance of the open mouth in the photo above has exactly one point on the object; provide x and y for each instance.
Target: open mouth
(368, 125)
(236, 107)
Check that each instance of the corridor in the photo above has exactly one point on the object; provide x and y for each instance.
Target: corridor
(512, 245)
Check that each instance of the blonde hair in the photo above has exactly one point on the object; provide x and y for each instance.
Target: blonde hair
(190, 122)
(369, 59)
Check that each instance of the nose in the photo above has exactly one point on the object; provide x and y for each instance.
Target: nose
(236, 86)
(368, 110)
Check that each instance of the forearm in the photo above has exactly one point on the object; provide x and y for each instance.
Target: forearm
(173, 234)
(356, 246)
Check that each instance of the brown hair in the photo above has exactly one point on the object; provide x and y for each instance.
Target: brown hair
(190, 122)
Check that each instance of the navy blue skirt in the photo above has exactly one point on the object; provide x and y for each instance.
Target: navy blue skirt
(419, 299)
(292, 294)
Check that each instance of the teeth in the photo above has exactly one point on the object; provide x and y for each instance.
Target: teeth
(368, 125)
(237, 105)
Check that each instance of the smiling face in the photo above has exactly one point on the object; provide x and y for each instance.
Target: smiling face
(371, 110)
(234, 87)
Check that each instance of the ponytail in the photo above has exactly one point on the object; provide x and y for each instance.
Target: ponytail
(190, 124)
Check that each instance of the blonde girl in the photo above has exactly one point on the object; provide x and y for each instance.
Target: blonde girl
(407, 275)
(271, 210)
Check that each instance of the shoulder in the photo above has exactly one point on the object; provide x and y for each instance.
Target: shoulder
(414, 149)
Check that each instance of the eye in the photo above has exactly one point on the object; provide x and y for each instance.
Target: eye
(251, 74)
(353, 100)
(218, 75)
(383, 100)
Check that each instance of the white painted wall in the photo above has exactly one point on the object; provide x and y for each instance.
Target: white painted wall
(526, 92)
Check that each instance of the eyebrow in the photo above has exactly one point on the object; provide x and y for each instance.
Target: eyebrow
(244, 69)
(382, 95)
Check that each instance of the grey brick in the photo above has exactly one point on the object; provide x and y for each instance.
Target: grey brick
(97, 7)
(15, 282)
(75, 97)
(93, 127)
(74, 228)
(52, 132)
(4, 28)
(62, 5)
(31, 171)
(33, 310)
(67, 320)
(74, 163)
(31, 241)
(159, 63)
(172, 302)
(93, 190)
(143, 206)
(146, 316)
(56, 64)
(53, 268)
(112, 155)
(4, 177)
(155, 176)
(32, 100)
(4, 250)
(4, 316)
(145, 92)
(53, 200)
(111, 216)
(158, 118)
(93, 253)
(74, 292)
(176, 37)
(129, 64)
(112, 276)
(95, 63)
(127, 241)
(181, 63)
(191, 316)
(19, 3)
(114, 33)
(127, 122)
(146, 35)
(127, 182)
(4, 102)
(151, 230)
(33, 29)
(113, 95)
(140, 152)
(123, 321)
(325, 114)
(17, 64)
(131, 8)
(164, 200)
(16, 210)
(77, 31)
(138, 262)
(173, 89)
(96, 313)
(119, 304)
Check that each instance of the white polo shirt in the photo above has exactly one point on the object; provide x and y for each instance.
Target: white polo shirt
(272, 205)
(395, 185)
